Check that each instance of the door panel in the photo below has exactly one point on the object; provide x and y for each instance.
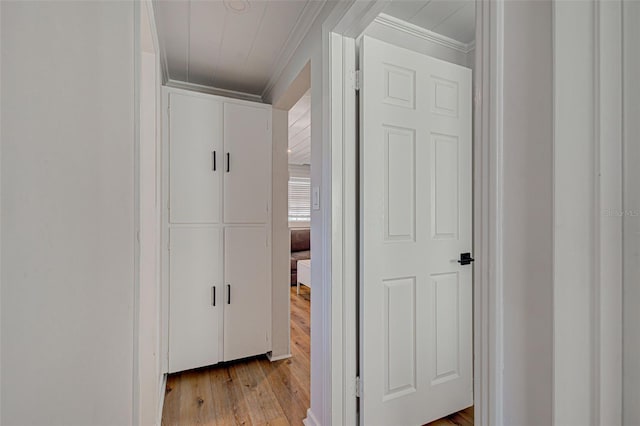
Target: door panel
(400, 183)
(195, 324)
(416, 311)
(247, 296)
(399, 337)
(195, 138)
(247, 144)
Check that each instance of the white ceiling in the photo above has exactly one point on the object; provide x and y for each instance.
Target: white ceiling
(451, 18)
(300, 131)
(213, 43)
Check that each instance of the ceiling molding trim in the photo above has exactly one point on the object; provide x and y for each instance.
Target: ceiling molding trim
(416, 31)
(472, 46)
(213, 90)
(307, 17)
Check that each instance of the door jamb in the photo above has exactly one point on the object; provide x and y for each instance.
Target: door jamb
(339, 134)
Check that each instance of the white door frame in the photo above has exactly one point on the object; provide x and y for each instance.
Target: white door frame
(339, 31)
(148, 247)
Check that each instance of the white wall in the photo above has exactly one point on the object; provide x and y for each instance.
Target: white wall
(280, 270)
(631, 389)
(67, 197)
(527, 212)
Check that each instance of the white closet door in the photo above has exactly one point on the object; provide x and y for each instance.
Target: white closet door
(195, 158)
(195, 318)
(247, 145)
(416, 310)
(247, 296)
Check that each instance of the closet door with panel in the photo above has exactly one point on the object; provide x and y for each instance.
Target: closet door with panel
(247, 137)
(216, 226)
(195, 297)
(195, 158)
(247, 297)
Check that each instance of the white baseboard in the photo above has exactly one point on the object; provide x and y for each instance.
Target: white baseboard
(163, 387)
(277, 358)
(311, 419)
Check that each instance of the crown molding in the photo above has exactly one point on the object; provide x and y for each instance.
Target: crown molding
(471, 46)
(213, 90)
(307, 18)
(416, 31)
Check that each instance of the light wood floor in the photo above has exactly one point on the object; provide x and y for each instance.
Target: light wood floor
(256, 391)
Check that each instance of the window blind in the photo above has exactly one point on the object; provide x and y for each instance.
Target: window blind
(299, 199)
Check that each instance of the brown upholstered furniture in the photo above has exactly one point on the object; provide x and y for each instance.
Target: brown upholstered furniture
(300, 250)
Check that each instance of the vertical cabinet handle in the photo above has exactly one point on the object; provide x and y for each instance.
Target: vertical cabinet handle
(228, 294)
(213, 159)
(228, 161)
(213, 295)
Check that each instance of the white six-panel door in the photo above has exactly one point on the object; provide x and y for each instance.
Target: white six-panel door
(195, 158)
(195, 317)
(416, 299)
(247, 163)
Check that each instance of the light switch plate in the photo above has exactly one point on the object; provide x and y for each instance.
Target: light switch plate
(315, 198)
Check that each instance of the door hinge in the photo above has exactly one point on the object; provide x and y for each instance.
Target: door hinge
(358, 387)
(356, 80)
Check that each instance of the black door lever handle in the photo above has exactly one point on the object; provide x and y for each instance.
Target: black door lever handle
(465, 258)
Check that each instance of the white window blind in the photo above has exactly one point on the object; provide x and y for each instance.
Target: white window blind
(299, 199)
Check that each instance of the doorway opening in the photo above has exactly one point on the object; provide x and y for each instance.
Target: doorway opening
(300, 259)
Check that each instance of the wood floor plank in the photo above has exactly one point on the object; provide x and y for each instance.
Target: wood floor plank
(442, 422)
(238, 402)
(225, 412)
(280, 421)
(461, 418)
(300, 340)
(466, 415)
(196, 401)
(293, 398)
(186, 395)
(300, 372)
(171, 407)
(263, 404)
